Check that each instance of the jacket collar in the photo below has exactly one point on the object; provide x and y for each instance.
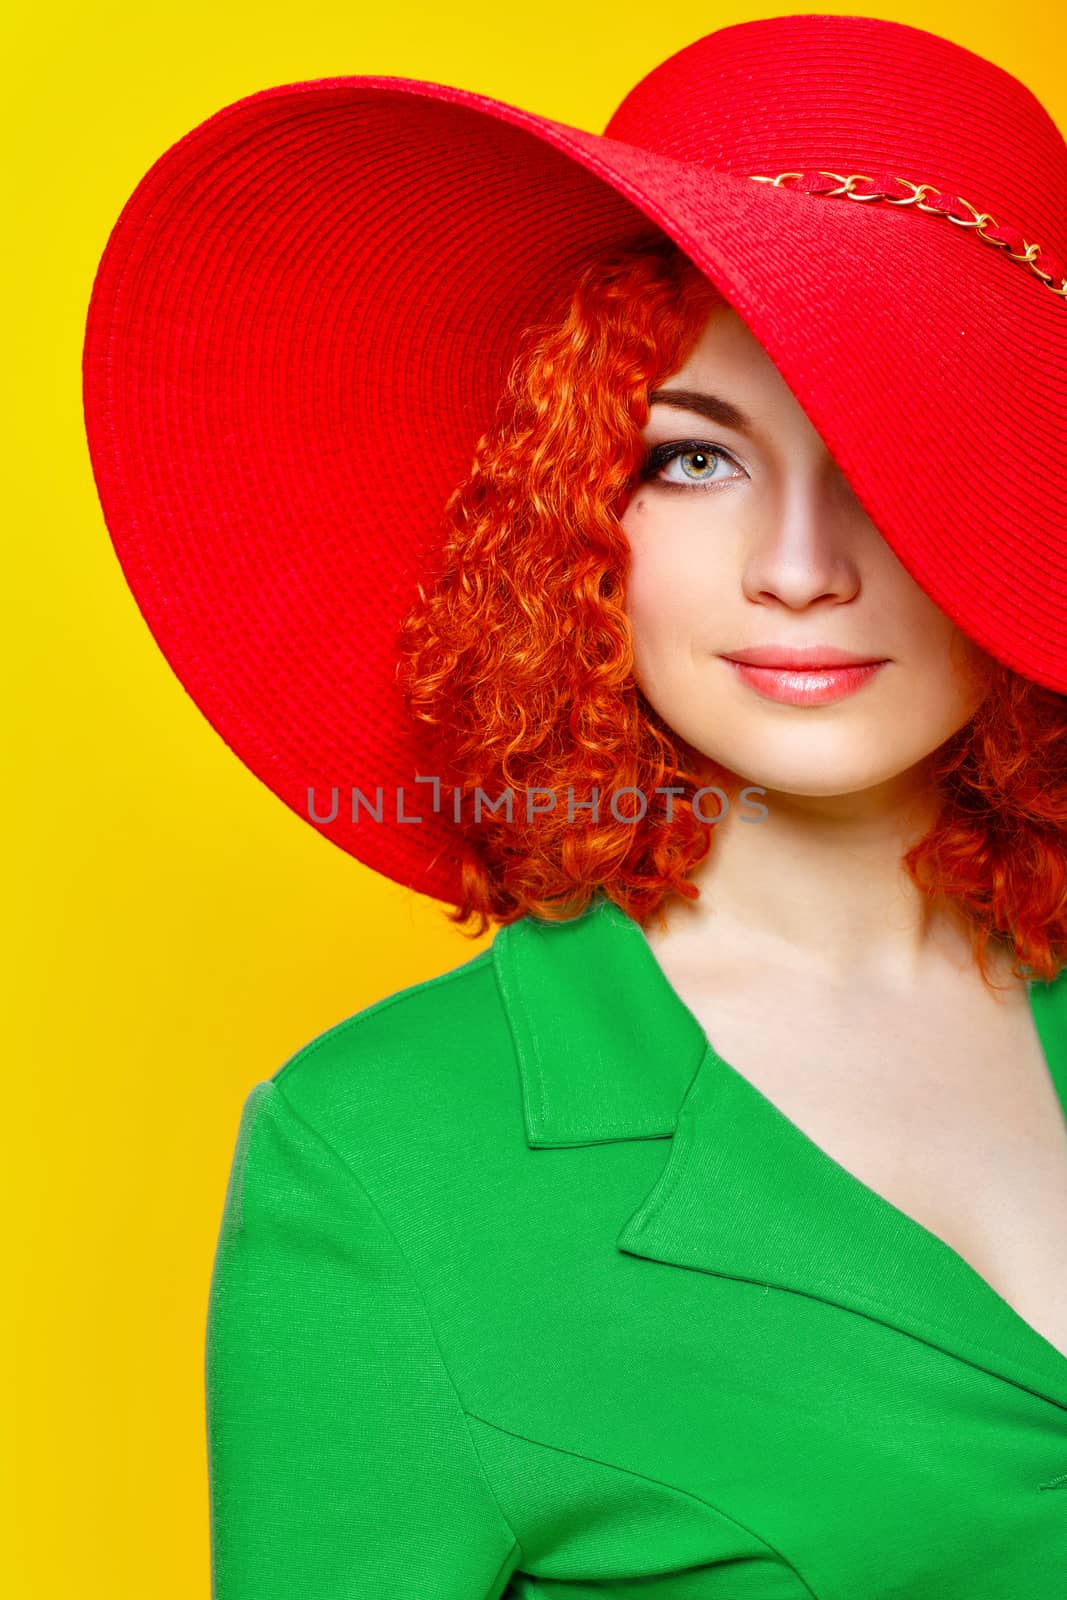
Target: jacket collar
(606, 1047)
(607, 1050)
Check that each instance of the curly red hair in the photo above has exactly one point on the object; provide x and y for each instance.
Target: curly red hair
(516, 660)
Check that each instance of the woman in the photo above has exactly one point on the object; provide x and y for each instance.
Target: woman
(662, 1247)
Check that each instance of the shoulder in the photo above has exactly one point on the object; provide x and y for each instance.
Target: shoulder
(438, 1013)
(413, 1077)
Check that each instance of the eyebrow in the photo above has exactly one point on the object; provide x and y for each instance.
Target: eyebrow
(711, 406)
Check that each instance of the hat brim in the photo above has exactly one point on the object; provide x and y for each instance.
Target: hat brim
(299, 328)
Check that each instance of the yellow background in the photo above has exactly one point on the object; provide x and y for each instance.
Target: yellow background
(175, 932)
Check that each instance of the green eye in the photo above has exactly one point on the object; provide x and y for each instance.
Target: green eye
(704, 458)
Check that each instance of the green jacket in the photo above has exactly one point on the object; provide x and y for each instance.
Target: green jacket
(522, 1290)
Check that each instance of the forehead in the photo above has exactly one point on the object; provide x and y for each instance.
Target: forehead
(729, 362)
(728, 347)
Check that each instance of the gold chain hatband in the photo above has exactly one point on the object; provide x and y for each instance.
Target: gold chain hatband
(1048, 268)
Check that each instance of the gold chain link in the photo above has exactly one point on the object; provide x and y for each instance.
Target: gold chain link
(979, 220)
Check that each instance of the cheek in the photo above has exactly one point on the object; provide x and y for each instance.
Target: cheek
(657, 603)
(671, 624)
(949, 663)
(665, 587)
(967, 665)
(646, 585)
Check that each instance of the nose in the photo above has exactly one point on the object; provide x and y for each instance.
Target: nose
(807, 538)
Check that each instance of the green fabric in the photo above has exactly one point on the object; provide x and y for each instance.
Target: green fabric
(522, 1290)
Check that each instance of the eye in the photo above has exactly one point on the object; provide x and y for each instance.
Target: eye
(696, 460)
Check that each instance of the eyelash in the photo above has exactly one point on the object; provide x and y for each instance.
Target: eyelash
(664, 453)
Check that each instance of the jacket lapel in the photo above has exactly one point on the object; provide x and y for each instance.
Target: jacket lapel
(607, 1050)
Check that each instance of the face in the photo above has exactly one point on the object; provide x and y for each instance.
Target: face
(752, 537)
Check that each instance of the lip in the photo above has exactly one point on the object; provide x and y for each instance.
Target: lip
(799, 658)
(805, 686)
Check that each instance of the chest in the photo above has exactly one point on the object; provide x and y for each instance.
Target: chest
(944, 1108)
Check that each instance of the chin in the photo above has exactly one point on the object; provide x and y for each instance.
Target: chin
(808, 767)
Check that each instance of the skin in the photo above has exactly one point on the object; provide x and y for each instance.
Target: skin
(771, 545)
(813, 964)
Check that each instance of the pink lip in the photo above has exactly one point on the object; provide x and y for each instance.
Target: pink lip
(805, 686)
(801, 657)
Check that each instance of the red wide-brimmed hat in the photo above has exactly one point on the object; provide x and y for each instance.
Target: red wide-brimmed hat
(305, 313)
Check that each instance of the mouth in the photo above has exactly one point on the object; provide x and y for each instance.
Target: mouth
(801, 658)
(805, 685)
